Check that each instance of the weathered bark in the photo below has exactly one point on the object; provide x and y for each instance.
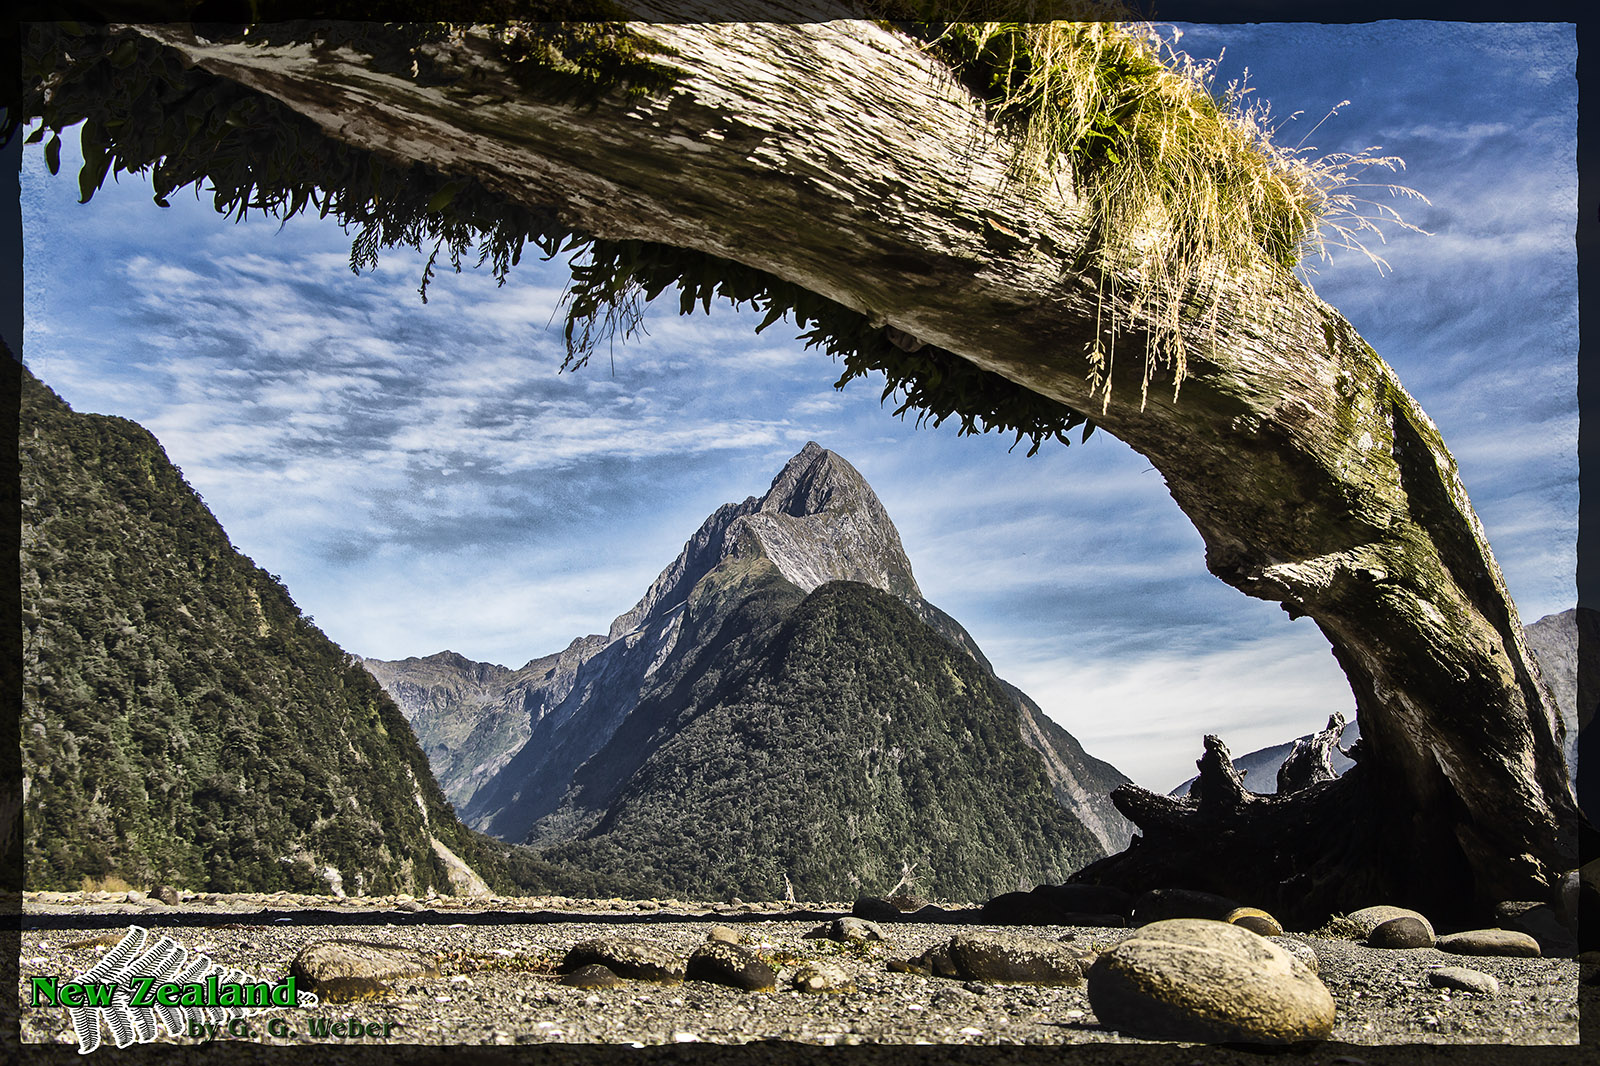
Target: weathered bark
(1301, 855)
(1311, 760)
(840, 157)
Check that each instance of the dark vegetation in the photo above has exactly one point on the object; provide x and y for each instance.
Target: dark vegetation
(825, 759)
(182, 722)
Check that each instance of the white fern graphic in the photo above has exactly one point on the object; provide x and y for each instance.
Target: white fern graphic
(167, 961)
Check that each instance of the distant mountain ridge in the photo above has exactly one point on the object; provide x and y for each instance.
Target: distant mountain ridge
(695, 645)
(182, 721)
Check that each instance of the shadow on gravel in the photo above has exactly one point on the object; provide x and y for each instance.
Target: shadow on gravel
(196, 919)
(778, 1053)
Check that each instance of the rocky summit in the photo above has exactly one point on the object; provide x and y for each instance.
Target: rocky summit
(782, 684)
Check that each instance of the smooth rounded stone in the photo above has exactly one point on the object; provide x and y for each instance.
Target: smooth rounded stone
(341, 971)
(1490, 942)
(730, 964)
(1162, 904)
(1013, 958)
(1206, 980)
(1464, 979)
(1302, 952)
(1402, 932)
(166, 894)
(135, 896)
(1254, 919)
(875, 909)
(1365, 920)
(724, 934)
(592, 976)
(821, 976)
(627, 956)
(847, 931)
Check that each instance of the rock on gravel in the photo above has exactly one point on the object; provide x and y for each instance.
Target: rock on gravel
(341, 971)
(1464, 979)
(592, 976)
(1254, 919)
(1195, 979)
(1365, 920)
(819, 975)
(848, 930)
(627, 956)
(875, 909)
(731, 964)
(1490, 942)
(1013, 958)
(1401, 932)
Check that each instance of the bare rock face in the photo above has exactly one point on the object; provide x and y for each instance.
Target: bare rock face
(1196, 979)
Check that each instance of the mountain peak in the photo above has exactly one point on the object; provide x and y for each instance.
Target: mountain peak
(818, 522)
(811, 481)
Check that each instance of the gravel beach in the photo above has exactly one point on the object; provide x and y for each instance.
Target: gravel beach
(497, 980)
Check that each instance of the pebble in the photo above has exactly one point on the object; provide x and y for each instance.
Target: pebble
(1402, 932)
(724, 934)
(1464, 979)
(1196, 979)
(1490, 942)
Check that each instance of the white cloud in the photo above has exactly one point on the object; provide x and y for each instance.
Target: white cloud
(1146, 714)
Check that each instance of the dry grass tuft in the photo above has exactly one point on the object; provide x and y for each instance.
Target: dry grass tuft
(1186, 187)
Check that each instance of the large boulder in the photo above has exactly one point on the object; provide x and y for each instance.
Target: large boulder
(626, 956)
(1204, 980)
(1011, 958)
(731, 964)
(341, 971)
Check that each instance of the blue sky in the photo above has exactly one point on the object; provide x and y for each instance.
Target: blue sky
(422, 478)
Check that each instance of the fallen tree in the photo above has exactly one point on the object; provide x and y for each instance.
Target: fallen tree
(840, 172)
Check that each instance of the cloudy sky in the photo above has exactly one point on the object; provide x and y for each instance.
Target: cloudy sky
(422, 478)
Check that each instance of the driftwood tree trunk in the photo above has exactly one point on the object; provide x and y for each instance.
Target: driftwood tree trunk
(840, 157)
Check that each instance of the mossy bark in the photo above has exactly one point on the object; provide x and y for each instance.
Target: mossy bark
(842, 158)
